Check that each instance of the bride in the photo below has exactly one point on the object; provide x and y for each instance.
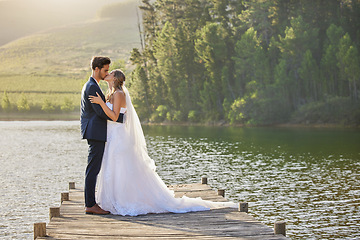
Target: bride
(128, 183)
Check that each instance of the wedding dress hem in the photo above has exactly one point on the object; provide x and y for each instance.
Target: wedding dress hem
(128, 184)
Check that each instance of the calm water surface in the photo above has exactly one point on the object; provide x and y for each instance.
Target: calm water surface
(308, 177)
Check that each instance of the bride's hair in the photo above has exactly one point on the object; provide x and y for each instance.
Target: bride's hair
(118, 83)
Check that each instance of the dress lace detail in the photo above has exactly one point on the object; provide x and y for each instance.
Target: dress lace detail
(128, 183)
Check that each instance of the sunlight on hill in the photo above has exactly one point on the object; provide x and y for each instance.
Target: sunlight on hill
(20, 18)
(67, 50)
(52, 65)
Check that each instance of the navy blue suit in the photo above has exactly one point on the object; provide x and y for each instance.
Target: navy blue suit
(93, 128)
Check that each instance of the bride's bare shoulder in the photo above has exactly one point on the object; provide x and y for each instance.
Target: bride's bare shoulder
(119, 95)
(119, 92)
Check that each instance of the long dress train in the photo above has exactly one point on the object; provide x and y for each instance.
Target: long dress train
(128, 183)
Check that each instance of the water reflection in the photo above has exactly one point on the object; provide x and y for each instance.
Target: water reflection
(37, 161)
(307, 177)
(293, 140)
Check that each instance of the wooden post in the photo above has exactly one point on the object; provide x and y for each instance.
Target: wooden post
(204, 180)
(243, 207)
(64, 196)
(280, 228)
(54, 212)
(39, 230)
(71, 185)
(221, 192)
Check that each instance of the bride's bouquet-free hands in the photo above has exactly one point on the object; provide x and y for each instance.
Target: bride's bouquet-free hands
(96, 99)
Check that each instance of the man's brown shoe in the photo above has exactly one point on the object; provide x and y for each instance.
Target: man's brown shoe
(96, 210)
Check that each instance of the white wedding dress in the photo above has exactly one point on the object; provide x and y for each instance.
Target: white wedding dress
(128, 183)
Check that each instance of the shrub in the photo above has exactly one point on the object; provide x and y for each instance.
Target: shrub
(174, 116)
(47, 106)
(5, 103)
(335, 110)
(67, 106)
(168, 116)
(160, 114)
(261, 108)
(237, 113)
(162, 110)
(155, 117)
(177, 116)
(193, 116)
(23, 105)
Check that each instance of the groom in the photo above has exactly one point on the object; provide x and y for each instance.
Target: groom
(93, 128)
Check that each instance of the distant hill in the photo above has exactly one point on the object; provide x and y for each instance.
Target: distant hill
(53, 64)
(67, 49)
(19, 18)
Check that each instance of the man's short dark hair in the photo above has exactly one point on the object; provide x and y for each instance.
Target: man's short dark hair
(99, 62)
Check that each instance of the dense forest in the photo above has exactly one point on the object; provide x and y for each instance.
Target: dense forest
(248, 62)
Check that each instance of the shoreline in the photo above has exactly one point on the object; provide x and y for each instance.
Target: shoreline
(71, 116)
(75, 116)
(282, 125)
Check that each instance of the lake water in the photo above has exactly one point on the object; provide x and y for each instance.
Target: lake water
(309, 178)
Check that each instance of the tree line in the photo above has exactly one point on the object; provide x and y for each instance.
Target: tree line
(24, 105)
(248, 62)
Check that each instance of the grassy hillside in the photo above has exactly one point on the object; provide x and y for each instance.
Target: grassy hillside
(67, 50)
(19, 18)
(49, 67)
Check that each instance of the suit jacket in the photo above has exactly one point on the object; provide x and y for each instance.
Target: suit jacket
(92, 117)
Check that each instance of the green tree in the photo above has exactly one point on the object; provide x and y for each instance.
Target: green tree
(47, 106)
(219, 11)
(310, 78)
(160, 114)
(167, 61)
(188, 69)
(172, 11)
(136, 57)
(248, 61)
(237, 113)
(251, 62)
(212, 51)
(352, 71)
(196, 15)
(350, 20)
(328, 65)
(67, 105)
(139, 92)
(149, 22)
(222, 11)
(5, 103)
(283, 82)
(193, 116)
(22, 104)
(280, 14)
(258, 17)
(344, 46)
(299, 38)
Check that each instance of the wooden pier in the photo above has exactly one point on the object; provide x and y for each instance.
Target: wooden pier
(69, 221)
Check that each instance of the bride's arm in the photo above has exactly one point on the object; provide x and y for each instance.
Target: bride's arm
(119, 100)
(118, 103)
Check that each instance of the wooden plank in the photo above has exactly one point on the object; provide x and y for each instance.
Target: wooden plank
(223, 223)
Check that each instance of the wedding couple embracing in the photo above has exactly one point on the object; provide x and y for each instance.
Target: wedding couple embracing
(118, 160)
